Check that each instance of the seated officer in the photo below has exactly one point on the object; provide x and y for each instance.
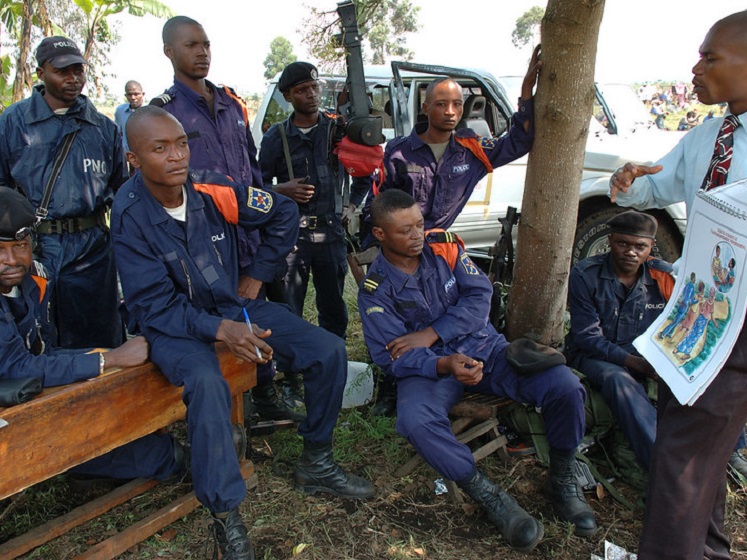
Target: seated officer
(613, 298)
(27, 347)
(425, 321)
(175, 242)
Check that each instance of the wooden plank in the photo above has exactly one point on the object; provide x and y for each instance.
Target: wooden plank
(70, 425)
(491, 447)
(138, 532)
(62, 524)
(476, 431)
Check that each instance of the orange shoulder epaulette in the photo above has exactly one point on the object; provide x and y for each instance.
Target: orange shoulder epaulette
(42, 284)
(444, 244)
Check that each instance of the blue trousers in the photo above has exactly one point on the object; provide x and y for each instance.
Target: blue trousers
(193, 364)
(148, 457)
(84, 283)
(626, 396)
(327, 264)
(423, 404)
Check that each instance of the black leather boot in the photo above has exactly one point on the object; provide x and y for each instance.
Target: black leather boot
(566, 495)
(291, 390)
(269, 407)
(386, 396)
(521, 530)
(318, 472)
(231, 535)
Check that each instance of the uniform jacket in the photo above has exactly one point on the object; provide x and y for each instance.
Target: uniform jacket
(27, 338)
(454, 302)
(30, 135)
(223, 143)
(182, 281)
(442, 188)
(311, 157)
(604, 319)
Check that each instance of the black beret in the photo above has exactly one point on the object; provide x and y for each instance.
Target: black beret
(634, 223)
(297, 73)
(16, 213)
(528, 356)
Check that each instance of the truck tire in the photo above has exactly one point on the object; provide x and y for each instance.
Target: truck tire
(592, 231)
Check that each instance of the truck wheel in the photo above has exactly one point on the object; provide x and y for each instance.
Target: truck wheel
(592, 231)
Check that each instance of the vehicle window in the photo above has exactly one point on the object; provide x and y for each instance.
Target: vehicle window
(278, 109)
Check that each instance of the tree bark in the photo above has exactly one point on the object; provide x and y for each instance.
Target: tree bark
(23, 73)
(563, 107)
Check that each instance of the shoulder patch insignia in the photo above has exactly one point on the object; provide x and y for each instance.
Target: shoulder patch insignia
(371, 283)
(468, 265)
(374, 309)
(259, 200)
(487, 142)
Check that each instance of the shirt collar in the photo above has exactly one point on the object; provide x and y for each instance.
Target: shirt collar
(608, 272)
(40, 111)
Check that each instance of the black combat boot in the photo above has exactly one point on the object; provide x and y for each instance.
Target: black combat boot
(386, 396)
(291, 390)
(521, 530)
(231, 535)
(269, 407)
(318, 472)
(566, 495)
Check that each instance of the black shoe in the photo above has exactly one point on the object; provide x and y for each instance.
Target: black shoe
(566, 495)
(386, 398)
(230, 534)
(522, 531)
(318, 472)
(269, 407)
(291, 391)
(183, 460)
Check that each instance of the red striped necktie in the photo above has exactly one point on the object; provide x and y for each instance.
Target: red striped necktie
(722, 152)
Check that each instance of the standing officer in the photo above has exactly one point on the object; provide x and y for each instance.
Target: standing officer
(220, 139)
(28, 348)
(424, 311)
(74, 244)
(297, 153)
(135, 97)
(175, 238)
(684, 517)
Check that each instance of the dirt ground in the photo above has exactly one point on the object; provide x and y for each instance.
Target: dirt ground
(406, 519)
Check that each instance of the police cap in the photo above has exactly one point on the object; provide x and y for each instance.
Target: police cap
(634, 223)
(60, 52)
(16, 215)
(297, 73)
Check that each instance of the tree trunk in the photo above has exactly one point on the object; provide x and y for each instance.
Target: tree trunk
(562, 108)
(22, 69)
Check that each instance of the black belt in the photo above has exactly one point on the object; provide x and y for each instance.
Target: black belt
(312, 222)
(71, 225)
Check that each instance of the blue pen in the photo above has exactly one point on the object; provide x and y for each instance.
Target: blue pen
(249, 324)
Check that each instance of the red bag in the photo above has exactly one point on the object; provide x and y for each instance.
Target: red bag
(361, 161)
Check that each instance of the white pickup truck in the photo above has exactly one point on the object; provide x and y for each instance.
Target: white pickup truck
(621, 130)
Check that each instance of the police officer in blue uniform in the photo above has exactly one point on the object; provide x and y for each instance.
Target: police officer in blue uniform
(28, 347)
(73, 244)
(314, 181)
(613, 298)
(425, 320)
(175, 243)
(216, 121)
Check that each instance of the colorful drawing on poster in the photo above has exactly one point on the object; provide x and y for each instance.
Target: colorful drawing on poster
(701, 314)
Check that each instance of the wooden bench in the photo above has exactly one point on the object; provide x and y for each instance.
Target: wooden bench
(473, 416)
(69, 425)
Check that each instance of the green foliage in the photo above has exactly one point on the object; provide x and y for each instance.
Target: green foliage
(527, 27)
(383, 23)
(280, 56)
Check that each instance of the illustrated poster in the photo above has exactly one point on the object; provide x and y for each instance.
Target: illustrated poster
(692, 338)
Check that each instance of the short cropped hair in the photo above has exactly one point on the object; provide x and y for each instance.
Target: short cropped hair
(432, 86)
(170, 27)
(145, 112)
(388, 202)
